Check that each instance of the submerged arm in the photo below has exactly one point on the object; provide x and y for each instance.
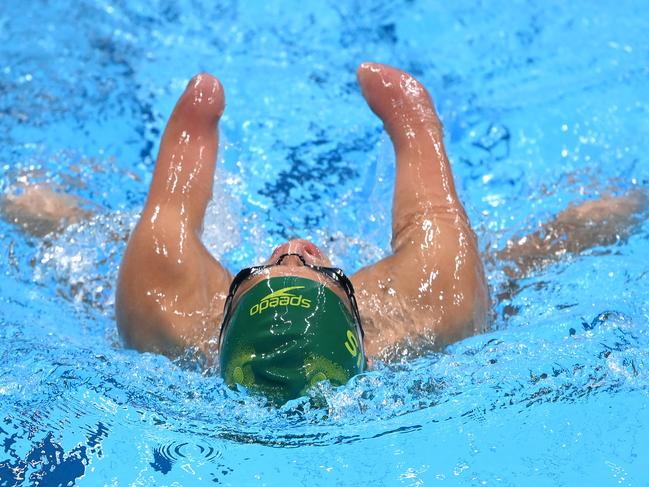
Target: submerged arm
(603, 221)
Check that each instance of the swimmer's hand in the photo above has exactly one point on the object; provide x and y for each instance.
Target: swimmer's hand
(171, 290)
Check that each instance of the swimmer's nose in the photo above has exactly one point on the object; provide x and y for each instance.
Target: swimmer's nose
(306, 249)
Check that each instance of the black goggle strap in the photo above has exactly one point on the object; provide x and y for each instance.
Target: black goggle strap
(241, 276)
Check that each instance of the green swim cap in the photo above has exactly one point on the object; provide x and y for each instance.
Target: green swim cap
(287, 334)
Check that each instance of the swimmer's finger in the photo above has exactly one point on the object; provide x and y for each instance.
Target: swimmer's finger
(184, 170)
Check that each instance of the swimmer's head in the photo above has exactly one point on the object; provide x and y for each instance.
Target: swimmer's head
(290, 324)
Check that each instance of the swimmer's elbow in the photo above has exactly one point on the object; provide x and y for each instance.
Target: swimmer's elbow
(144, 334)
(466, 305)
(143, 326)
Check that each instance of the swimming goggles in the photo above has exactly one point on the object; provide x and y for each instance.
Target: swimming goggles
(333, 273)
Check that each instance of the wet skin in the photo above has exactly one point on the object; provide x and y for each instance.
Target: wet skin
(171, 291)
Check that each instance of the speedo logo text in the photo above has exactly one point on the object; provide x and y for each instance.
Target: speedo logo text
(281, 297)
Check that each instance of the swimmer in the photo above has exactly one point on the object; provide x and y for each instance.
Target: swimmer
(280, 327)
(172, 294)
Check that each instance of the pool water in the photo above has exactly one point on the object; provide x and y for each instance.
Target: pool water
(544, 104)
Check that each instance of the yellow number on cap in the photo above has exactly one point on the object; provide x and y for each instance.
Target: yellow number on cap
(351, 344)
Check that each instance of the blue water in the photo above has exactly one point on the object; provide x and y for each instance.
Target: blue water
(544, 103)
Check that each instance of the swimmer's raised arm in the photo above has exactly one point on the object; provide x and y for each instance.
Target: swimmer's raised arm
(170, 288)
(433, 283)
